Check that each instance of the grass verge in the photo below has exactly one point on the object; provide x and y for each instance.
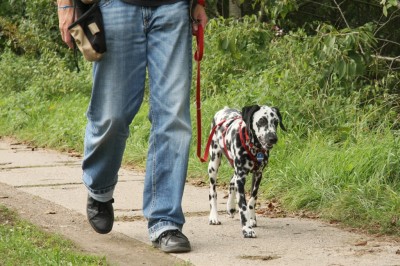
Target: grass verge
(22, 243)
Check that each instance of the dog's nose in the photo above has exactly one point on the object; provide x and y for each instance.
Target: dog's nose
(272, 138)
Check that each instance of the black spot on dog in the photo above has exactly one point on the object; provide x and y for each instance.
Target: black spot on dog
(243, 218)
(213, 156)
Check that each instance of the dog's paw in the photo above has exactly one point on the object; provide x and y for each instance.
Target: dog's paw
(231, 212)
(214, 222)
(248, 232)
(213, 219)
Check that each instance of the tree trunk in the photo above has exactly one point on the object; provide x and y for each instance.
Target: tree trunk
(234, 9)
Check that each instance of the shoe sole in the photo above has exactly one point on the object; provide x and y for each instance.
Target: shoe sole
(176, 249)
(103, 232)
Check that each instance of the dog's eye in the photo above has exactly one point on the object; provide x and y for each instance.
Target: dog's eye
(262, 122)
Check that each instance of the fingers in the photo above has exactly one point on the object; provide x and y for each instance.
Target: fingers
(66, 37)
(200, 17)
(65, 18)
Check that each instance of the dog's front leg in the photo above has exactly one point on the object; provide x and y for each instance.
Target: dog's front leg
(253, 198)
(247, 228)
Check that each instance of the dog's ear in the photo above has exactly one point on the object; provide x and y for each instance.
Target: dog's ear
(247, 115)
(280, 118)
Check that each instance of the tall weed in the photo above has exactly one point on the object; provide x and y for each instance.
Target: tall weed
(354, 182)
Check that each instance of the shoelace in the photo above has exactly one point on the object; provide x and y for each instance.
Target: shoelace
(170, 233)
(102, 206)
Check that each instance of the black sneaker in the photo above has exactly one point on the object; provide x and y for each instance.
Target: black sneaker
(172, 241)
(100, 215)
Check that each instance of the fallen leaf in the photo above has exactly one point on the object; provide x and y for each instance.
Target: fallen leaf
(362, 243)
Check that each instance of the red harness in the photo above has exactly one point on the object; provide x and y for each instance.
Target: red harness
(246, 143)
(244, 140)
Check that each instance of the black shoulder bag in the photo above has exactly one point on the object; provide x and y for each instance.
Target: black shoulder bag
(88, 29)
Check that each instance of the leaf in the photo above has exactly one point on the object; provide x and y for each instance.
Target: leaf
(342, 68)
(361, 243)
(224, 43)
(332, 42)
(352, 68)
(385, 13)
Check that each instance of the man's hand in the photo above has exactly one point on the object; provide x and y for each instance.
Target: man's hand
(65, 18)
(200, 17)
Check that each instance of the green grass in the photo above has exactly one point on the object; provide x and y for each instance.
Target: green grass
(339, 158)
(355, 183)
(22, 243)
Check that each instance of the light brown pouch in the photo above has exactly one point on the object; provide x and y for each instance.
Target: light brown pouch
(88, 32)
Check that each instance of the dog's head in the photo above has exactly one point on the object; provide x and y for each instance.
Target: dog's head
(262, 124)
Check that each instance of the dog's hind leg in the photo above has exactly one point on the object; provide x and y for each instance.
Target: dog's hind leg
(247, 228)
(213, 166)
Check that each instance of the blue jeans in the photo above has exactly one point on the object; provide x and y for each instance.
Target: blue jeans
(139, 39)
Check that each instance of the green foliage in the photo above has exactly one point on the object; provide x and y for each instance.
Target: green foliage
(387, 4)
(352, 182)
(43, 94)
(276, 9)
(320, 81)
(238, 47)
(30, 28)
(22, 243)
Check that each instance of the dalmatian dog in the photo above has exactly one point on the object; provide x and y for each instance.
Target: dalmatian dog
(245, 139)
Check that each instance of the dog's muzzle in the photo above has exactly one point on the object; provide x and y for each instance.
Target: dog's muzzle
(270, 140)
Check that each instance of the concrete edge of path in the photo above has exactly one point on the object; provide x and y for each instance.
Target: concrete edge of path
(118, 248)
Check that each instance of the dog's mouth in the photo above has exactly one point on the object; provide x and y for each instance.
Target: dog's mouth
(269, 146)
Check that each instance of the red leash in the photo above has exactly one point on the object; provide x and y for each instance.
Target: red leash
(198, 56)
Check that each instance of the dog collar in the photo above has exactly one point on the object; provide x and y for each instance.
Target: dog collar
(260, 154)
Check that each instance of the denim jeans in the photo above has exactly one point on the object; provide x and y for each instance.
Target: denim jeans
(140, 40)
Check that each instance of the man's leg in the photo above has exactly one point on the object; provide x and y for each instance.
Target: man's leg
(169, 63)
(117, 93)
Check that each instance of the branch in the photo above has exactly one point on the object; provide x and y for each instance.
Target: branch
(387, 58)
(388, 41)
(341, 14)
(392, 16)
